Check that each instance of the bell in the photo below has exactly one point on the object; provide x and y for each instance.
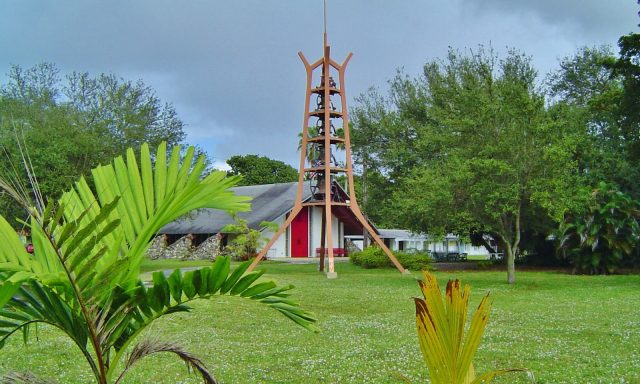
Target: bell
(320, 183)
(320, 157)
(320, 126)
(320, 103)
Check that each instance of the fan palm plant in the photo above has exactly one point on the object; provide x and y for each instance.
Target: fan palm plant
(83, 276)
(447, 352)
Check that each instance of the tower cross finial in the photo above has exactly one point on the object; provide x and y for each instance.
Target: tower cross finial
(324, 4)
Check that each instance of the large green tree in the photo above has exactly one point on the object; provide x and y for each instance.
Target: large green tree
(71, 124)
(470, 147)
(256, 169)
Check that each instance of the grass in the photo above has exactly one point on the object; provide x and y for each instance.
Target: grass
(567, 329)
(477, 257)
(148, 266)
(160, 264)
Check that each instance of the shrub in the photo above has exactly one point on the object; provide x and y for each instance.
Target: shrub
(374, 257)
(247, 240)
(600, 239)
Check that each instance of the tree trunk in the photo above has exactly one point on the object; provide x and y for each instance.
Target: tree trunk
(511, 244)
(511, 265)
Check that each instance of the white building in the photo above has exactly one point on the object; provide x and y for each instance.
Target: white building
(403, 240)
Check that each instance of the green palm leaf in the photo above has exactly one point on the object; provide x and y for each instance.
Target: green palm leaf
(170, 295)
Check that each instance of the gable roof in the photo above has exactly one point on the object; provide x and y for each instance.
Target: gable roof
(269, 201)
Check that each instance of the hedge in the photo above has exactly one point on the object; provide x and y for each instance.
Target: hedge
(374, 257)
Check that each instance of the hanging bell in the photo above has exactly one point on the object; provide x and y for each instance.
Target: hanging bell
(320, 126)
(320, 103)
(320, 156)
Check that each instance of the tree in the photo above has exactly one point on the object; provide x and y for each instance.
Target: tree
(83, 277)
(127, 113)
(627, 66)
(256, 170)
(390, 137)
(469, 147)
(586, 96)
(76, 124)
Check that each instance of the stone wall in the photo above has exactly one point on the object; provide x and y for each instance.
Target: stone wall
(157, 248)
(180, 250)
(209, 249)
(183, 249)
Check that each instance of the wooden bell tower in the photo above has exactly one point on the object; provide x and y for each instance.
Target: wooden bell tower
(327, 116)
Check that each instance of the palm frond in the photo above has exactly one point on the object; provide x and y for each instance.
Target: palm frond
(16, 265)
(440, 322)
(169, 295)
(23, 378)
(148, 347)
(149, 200)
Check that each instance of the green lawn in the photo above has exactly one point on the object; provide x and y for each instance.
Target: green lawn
(477, 257)
(567, 329)
(156, 265)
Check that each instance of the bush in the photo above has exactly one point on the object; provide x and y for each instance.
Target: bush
(604, 236)
(246, 242)
(374, 257)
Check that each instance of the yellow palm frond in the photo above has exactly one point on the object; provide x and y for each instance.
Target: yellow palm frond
(440, 322)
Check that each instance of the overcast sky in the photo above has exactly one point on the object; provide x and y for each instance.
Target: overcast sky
(230, 67)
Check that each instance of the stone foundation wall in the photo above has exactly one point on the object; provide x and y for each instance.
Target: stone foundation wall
(157, 248)
(208, 250)
(183, 249)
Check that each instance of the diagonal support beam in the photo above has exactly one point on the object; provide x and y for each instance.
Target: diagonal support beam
(296, 209)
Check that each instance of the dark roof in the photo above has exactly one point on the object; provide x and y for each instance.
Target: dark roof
(269, 201)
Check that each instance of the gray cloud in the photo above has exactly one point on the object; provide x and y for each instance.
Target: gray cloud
(593, 18)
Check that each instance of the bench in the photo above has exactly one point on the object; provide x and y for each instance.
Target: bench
(340, 252)
(451, 256)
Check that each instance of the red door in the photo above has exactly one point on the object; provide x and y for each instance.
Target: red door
(300, 234)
